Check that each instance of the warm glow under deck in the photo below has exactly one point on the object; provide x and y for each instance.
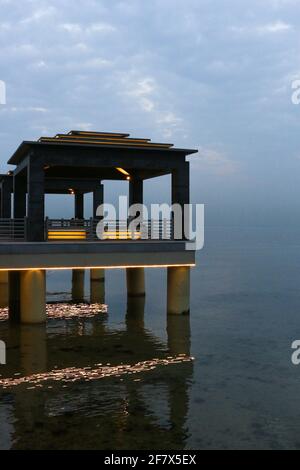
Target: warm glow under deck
(104, 255)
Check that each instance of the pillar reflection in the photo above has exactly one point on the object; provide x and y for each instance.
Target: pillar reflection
(135, 313)
(97, 286)
(33, 349)
(3, 289)
(78, 285)
(179, 342)
(179, 334)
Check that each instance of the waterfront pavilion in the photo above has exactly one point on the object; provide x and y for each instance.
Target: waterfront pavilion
(78, 163)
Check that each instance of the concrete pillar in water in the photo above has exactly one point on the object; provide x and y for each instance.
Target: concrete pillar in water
(97, 284)
(78, 285)
(3, 289)
(33, 296)
(178, 290)
(135, 281)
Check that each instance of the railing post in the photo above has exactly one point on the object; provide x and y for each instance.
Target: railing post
(25, 228)
(144, 230)
(46, 229)
(164, 229)
(91, 228)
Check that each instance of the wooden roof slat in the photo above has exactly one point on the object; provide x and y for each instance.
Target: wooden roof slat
(101, 138)
(92, 133)
(125, 143)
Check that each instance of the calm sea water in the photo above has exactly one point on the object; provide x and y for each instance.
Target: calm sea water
(114, 380)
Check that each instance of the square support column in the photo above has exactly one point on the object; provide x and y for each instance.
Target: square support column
(6, 190)
(36, 199)
(19, 195)
(79, 206)
(135, 191)
(135, 196)
(98, 198)
(181, 190)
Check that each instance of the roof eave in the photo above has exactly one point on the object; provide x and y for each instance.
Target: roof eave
(21, 150)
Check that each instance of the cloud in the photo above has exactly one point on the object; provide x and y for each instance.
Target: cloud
(213, 161)
(273, 28)
(148, 95)
(20, 109)
(5, 27)
(76, 28)
(38, 15)
(96, 62)
(145, 86)
(100, 28)
(268, 28)
(142, 90)
(71, 28)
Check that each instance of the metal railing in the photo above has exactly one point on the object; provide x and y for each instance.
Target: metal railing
(13, 229)
(86, 230)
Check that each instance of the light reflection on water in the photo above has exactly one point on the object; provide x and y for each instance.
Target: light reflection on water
(113, 377)
(98, 371)
(66, 310)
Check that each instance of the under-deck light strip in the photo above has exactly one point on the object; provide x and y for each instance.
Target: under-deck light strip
(60, 268)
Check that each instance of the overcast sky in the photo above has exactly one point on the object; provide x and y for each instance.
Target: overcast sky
(210, 74)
